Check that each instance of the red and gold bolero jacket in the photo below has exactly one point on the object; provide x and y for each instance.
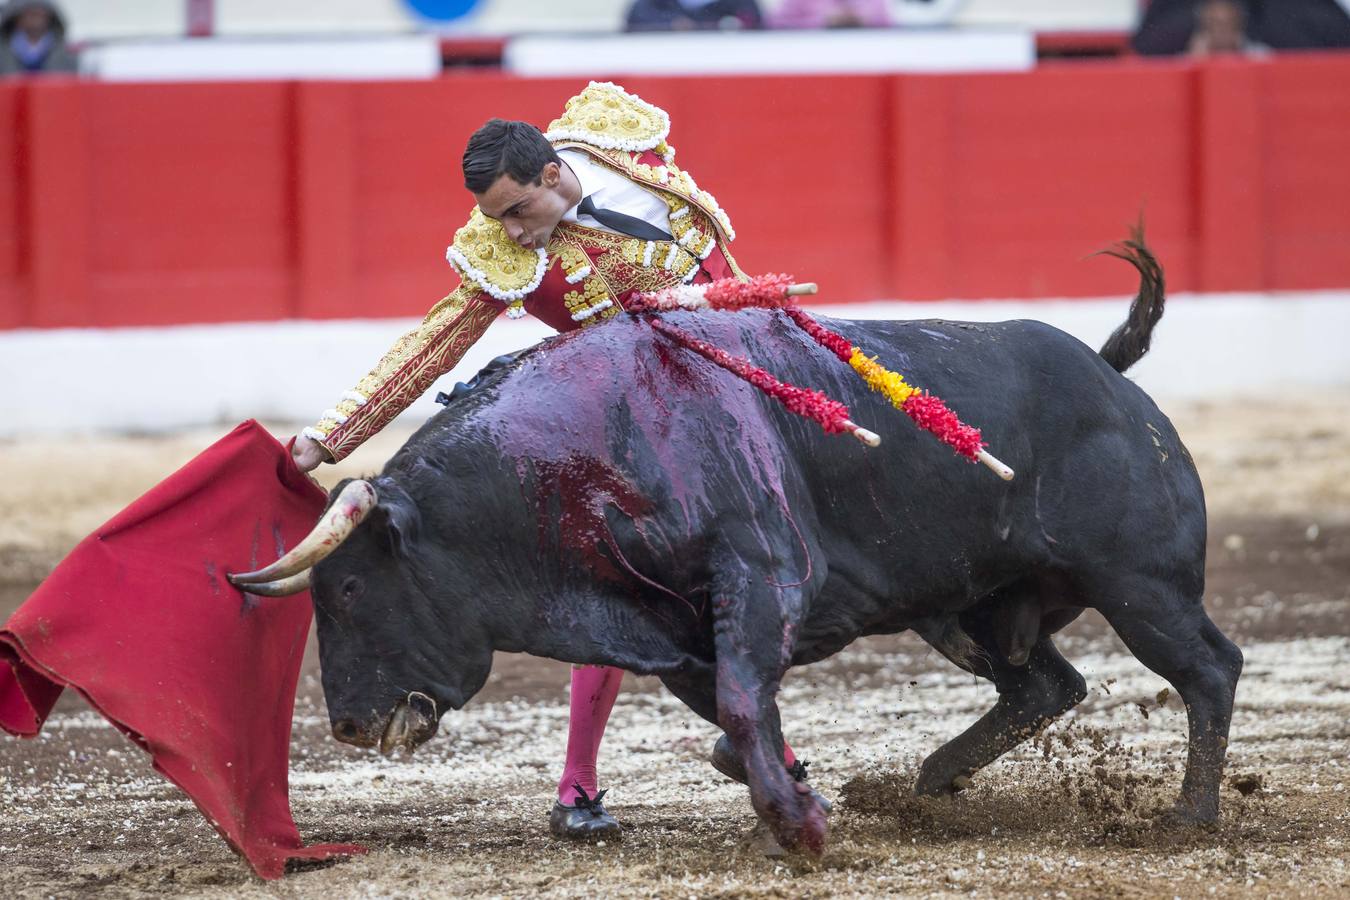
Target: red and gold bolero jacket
(581, 278)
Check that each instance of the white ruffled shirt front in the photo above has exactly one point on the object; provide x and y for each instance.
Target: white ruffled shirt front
(610, 190)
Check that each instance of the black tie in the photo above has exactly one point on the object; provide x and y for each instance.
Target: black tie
(622, 223)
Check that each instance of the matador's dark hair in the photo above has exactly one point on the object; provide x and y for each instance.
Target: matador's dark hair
(501, 148)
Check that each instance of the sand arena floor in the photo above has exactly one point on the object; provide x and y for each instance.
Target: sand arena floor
(1068, 814)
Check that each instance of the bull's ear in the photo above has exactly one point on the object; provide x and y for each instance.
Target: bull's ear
(394, 521)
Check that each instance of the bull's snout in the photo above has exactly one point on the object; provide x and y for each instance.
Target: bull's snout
(412, 722)
(348, 732)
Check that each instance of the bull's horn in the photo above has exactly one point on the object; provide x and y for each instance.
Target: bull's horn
(282, 587)
(356, 500)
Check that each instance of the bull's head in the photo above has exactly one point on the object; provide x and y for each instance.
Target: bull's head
(395, 656)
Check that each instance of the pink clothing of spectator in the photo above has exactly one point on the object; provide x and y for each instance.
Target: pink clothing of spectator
(832, 14)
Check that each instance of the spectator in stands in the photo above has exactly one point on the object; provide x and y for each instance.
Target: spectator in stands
(1171, 26)
(33, 39)
(1221, 27)
(832, 14)
(1303, 24)
(693, 15)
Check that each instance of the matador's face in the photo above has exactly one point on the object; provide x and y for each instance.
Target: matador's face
(529, 212)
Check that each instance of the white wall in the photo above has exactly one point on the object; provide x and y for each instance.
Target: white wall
(881, 50)
(159, 379)
(98, 20)
(258, 17)
(368, 57)
(1052, 15)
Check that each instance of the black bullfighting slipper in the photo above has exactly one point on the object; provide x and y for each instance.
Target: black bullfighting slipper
(724, 760)
(586, 820)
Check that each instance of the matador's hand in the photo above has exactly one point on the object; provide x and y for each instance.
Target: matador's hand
(308, 453)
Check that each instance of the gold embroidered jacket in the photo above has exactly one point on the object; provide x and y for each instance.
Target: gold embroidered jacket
(582, 277)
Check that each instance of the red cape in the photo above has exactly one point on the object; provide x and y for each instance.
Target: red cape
(140, 620)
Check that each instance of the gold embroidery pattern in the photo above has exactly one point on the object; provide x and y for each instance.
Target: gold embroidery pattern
(576, 265)
(607, 116)
(708, 203)
(619, 260)
(618, 267)
(661, 175)
(589, 304)
(570, 234)
(691, 228)
(650, 263)
(593, 301)
(409, 368)
(483, 254)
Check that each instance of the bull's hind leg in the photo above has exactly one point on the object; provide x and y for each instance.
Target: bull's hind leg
(1029, 697)
(1174, 636)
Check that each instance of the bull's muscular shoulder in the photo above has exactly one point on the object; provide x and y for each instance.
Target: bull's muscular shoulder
(607, 117)
(485, 256)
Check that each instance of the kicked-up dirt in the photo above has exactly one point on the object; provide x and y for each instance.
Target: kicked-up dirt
(1070, 813)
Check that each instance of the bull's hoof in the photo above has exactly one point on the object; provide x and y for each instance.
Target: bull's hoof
(941, 787)
(805, 832)
(933, 782)
(582, 823)
(762, 842)
(1183, 815)
(724, 760)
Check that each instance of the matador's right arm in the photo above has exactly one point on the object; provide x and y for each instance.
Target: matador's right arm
(405, 372)
(494, 270)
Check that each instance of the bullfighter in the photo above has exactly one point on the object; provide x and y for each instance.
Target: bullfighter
(570, 223)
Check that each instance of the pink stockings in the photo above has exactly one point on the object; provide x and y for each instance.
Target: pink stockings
(593, 691)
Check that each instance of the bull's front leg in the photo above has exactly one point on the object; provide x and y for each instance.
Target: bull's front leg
(755, 624)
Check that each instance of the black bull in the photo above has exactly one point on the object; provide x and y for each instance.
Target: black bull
(613, 498)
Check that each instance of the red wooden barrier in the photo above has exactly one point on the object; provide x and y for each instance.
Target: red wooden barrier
(146, 204)
(1007, 183)
(13, 172)
(1305, 183)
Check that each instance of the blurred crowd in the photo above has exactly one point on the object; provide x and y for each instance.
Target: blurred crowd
(1205, 27)
(33, 39)
(33, 32)
(702, 15)
(1167, 27)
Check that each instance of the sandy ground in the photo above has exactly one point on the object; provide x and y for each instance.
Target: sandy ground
(1069, 814)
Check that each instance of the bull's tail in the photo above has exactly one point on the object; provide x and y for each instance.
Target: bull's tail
(1128, 344)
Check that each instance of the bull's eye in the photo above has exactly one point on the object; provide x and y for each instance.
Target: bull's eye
(351, 588)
